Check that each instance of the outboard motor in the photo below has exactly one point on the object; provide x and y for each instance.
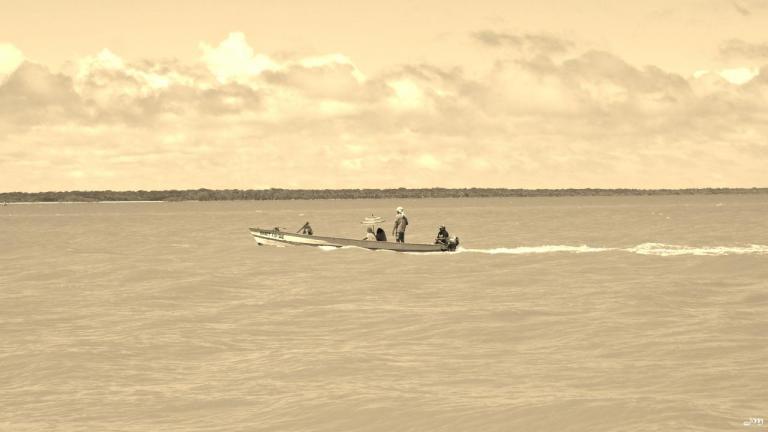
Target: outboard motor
(453, 243)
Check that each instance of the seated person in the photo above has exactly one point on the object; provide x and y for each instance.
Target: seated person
(370, 235)
(381, 235)
(442, 236)
(306, 229)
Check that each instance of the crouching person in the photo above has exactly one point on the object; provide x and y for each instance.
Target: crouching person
(442, 236)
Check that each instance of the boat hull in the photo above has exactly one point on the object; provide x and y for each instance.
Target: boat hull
(279, 238)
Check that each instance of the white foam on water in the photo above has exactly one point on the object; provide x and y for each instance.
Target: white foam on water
(657, 249)
(661, 249)
(337, 248)
(524, 250)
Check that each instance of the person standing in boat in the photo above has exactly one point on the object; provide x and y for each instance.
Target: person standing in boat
(401, 221)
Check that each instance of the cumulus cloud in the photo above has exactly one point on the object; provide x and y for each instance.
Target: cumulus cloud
(233, 59)
(244, 119)
(737, 76)
(10, 58)
(34, 95)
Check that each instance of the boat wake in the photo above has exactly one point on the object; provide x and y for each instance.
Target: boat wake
(657, 249)
(526, 250)
(662, 249)
(338, 248)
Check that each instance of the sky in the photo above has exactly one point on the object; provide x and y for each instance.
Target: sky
(328, 94)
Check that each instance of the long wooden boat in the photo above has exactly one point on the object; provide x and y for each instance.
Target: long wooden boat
(274, 237)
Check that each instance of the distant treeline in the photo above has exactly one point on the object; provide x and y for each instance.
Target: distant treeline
(310, 194)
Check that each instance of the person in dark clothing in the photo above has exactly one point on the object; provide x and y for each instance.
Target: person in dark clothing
(442, 236)
(306, 229)
(380, 234)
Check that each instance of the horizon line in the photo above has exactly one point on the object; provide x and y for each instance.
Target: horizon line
(272, 194)
(478, 188)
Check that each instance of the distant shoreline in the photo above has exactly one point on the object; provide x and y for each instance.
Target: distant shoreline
(108, 196)
(78, 202)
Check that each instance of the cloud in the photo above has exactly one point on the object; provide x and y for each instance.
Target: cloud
(233, 59)
(741, 9)
(407, 95)
(227, 99)
(333, 60)
(429, 161)
(538, 43)
(736, 49)
(32, 95)
(748, 8)
(737, 76)
(10, 59)
(585, 119)
(355, 164)
(329, 80)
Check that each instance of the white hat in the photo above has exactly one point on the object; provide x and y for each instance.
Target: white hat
(399, 209)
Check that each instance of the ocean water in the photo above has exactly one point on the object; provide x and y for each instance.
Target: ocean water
(557, 314)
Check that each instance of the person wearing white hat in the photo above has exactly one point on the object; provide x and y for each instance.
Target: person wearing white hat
(401, 221)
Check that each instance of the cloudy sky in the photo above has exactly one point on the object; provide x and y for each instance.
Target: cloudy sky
(124, 95)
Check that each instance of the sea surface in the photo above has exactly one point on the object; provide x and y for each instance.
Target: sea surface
(556, 314)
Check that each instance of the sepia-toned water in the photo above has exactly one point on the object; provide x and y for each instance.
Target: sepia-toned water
(557, 314)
